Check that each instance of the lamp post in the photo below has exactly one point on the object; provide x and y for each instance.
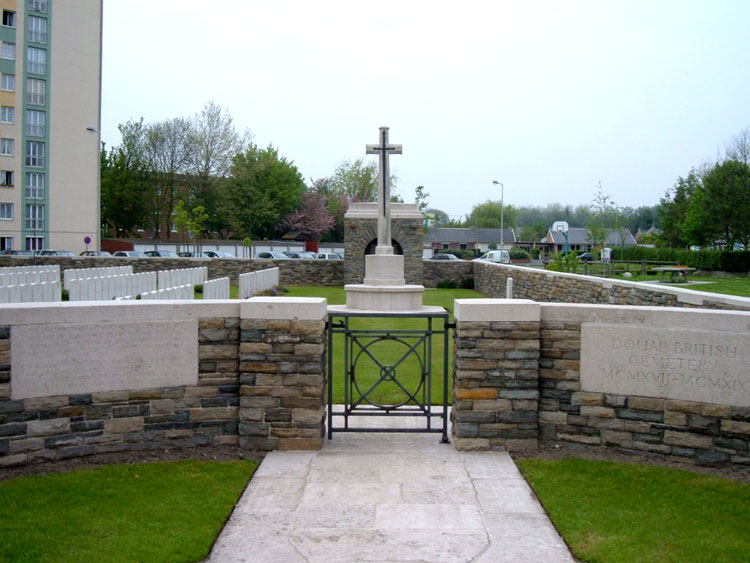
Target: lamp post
(502, 212)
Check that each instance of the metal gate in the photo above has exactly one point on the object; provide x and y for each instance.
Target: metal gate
(385, 371)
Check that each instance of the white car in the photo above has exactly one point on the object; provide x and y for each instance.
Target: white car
(272, 255)
(328, 256)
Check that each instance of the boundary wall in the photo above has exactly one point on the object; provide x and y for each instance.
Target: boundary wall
(134, 375)
(653, 381)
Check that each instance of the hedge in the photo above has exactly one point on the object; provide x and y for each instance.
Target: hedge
(726, 260)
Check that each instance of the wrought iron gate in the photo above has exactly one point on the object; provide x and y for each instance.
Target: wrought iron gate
(386, 371)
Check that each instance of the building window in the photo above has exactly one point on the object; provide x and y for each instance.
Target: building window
(35, 154)
(462, 246)
(34, 217)
(9, 51)
(38, 6)
(34, 243)
(36, 91)
(9, 18)
(6, 211)
(35, 120)
(6, 177)
(36, 60)
(6, 242)
(34, 185)
(6, 147)
(7, 114)
(37, 29)
(8, 82)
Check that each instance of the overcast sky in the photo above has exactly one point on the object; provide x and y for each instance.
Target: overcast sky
(547, 97)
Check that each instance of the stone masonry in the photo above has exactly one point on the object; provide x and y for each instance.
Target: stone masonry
(495, 383)
(282, 380)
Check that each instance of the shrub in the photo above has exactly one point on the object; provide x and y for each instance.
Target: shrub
(446, 284)
(467, 283)
(65, 295)
(462, 253)
(735, 261)
(517, 253)
(199, 288)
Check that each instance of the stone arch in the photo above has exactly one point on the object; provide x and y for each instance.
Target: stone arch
(370, 248)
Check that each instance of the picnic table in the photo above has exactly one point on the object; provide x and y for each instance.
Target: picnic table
(678, 274)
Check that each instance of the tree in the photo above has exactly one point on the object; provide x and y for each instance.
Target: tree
(213, 144)
(124, 181)
(312, 218)
(263, 188)
(727, 201)
(189, 222)
(603, 211)
(488, 215)
(420, 198)
(440, 217)
(673, 208)
(535, 232)
(739, 147)
(357, 180)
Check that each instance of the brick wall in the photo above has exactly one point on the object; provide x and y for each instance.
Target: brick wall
(436, 271)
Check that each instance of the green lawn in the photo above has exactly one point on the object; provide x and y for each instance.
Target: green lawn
(389, 352)
(141, 512)
(612, 512)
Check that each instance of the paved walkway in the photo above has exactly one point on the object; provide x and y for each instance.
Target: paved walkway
(388, 497)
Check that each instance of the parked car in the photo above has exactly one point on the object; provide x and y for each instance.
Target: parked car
(130, 254)
(443, 256)
(18, 253)
(161, 254)
(300, 255)
(218, 254)
(272, 255)
(186, 254)
(586, 257)
(328, 256)
(500, 256)
(56, 253)
(100, 253)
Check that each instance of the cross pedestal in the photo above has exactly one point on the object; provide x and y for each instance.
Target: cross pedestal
(384, 287)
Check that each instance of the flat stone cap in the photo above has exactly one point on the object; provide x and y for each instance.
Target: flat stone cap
(369, 210)
(482, 310)
(285, 308)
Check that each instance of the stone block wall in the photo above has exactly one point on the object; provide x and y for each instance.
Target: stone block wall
(496, 370)
(259, 363)
(559, 287)
(435, 271)
(282, 379)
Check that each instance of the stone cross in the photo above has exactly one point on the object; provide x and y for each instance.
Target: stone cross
(384, 191)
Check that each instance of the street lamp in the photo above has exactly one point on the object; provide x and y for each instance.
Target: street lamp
(502, 212)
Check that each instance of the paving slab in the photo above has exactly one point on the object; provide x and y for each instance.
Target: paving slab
(388, 498)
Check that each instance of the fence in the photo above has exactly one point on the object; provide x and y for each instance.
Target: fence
(175, 278)
(91, 273)
(111, 287)
(31, 293)
(216, 289)
(17, 275)
(253, 283)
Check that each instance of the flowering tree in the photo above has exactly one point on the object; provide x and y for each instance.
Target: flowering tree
(312, 218)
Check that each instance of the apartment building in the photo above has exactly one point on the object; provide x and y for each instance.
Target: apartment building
(50, 99)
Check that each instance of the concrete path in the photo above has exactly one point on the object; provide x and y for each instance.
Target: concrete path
(388, 497)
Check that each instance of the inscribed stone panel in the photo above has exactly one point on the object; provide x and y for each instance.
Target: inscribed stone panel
(56, 359)
(694, 365)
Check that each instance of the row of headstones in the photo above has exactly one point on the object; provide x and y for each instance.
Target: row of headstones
(17, 275)
(253, 283)
(31, 292)
(104, 288)
(180, 292)
(89, 273)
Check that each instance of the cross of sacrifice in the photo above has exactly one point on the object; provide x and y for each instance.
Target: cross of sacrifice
(384, 191)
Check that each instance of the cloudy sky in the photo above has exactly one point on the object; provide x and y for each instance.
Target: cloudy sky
(547, 97)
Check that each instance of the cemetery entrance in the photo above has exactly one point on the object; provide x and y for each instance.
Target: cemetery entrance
(387, 365)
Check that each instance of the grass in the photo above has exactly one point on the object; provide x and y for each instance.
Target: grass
(388, 352)
(611, 512)
(143, 512)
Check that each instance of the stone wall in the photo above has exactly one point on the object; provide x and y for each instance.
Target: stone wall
(216, 378)
(559, 287)
(495, 376)
(292, 272)
(436, 271)
(634, 379)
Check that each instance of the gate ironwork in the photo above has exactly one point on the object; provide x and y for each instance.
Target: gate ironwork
(387, 371)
